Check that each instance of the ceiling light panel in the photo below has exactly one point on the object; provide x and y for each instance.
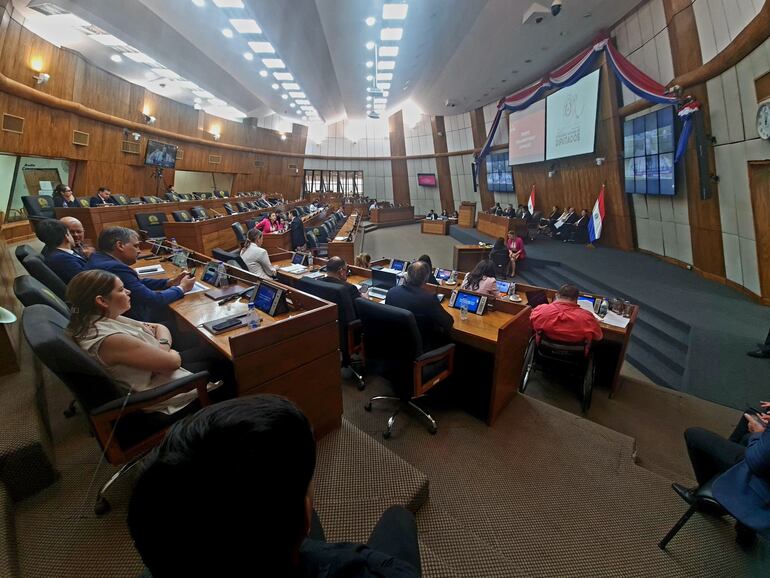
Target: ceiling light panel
(107, 39)
(273, 63)
(228, 3)
(391, 34)
(302, 101)
(290, 86)
(283, 76)
(262, 47)
(166, 73)
(294, 94)
(384, 76)
(245, 25)
(386, 65)
(141, 58)
(394, 11)
(388, 51)
(383, 85)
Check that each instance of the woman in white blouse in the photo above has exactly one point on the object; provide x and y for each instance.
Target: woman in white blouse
(255, 256)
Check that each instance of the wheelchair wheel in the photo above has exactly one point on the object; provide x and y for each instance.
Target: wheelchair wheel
(529, 363)
(588, 385)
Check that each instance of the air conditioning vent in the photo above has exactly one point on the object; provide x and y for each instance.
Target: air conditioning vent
(179, 154)
(259, 163)
(49, 9)
(131, 147)
(80, 138)
(13, 123)
(293, 167)
(215, 159)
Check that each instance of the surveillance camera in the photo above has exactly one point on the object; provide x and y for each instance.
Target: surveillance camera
(450, 103)
(556, 7)
(599, 161)
(136, 136)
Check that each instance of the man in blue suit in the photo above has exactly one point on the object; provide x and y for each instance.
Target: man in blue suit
(118, 250)
(59, 254)
(102, 198)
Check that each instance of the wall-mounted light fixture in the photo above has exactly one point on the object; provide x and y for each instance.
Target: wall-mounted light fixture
(148, 118)
(216, 132)
(135, 136)
(283, 136)
(41, 77)
(599, 161)
(552, 171)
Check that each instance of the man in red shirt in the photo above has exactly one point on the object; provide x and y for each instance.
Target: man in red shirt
(564, 320)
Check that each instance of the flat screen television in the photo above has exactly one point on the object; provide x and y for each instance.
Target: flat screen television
(648, 146)
(160, 154)
(426, 179)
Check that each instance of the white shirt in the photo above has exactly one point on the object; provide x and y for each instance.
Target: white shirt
(257, 261)
(312, 207)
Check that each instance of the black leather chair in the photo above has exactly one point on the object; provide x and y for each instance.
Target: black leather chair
(186, 196)
(252, 205)
(182, 216)
(575, 360)
(29, 291)
(152, 224)
(36, 267)
(533, 225)
(229, 209)
(251, 223)
(121, 199)
(23, 251)
(39, 207)
(124, 430)
(347, 320)
(314, 246)
(203, 195)
(221, 194)
(151, 199)
(240, 234)
(394, 350)
(228, 256)
(172, 197)
(242, 208)
(199, 212)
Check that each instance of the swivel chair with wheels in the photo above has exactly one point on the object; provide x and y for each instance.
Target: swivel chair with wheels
(394, 350)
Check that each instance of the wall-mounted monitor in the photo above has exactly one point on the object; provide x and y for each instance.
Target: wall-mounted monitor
(571, 118)
(648, 143)
(499, 175)
(526, 135)
(160, 154)
(426, 180)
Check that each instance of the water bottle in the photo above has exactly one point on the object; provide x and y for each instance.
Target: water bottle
(174, 247)
(512, 290)
(253, 316)
(310, 261)
(222, 280)
(464, 312)
(604, 308)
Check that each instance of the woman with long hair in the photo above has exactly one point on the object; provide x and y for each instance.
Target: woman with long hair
(426, 259)
(482, 279)
(268, 224)
(255, 257)
(64, 197)
(363, 260)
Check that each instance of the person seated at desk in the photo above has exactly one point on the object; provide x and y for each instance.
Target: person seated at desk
(432, 320)
(59, 255)
(64, 197)
(500, 256)
(255, 257)
(564, 320)
(373, 205)
(255, 456)
(523, 213)
(576, 231)
(496, 210)
(118, 250)
(312, 207)
(103, 197)
(280, 222)
(431, 215)
(135, 354)
(78, 236)
(567, 218)
(444, 215)
(297, 228)
(268, 224)
(516, 252)
(426, 259)
(546, 223)
(455, 215)
(337, 272)
(363, 260)
(742, 463)
(482, 279)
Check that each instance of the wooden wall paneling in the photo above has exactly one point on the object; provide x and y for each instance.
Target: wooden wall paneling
(705, 222)
(762, 86)
(400, 172)
(478, 128)
(759, 185)
(444, 173)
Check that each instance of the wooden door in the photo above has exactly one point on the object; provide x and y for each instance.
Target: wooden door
(759, 183)
(32, 178)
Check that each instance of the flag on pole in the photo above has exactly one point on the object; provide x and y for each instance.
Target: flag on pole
(595, 225)
(531, 203)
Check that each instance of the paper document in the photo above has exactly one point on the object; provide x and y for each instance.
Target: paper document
(150, 270)
(558, 224)
(340, 238)
(616, 320)
(197, 288)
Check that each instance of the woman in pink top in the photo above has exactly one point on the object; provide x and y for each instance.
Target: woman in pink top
(268, 224)
(516, 250)
(482, 279)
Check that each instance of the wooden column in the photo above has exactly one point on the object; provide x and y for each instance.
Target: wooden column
(442, 165)
(400, 173)
(705, 223)
(479, 138)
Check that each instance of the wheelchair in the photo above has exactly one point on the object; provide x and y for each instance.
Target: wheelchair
(575, 359)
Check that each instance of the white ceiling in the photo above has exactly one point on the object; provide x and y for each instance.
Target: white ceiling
(470, 52)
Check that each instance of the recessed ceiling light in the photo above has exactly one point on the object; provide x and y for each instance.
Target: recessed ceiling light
(273, 63)
(380, 100)
(197, 100)
(386, 65)
(107, 39)
(528, 61)
(394, 11)
(368, 98)
(199, 2)
(290, 86)
(369, 64)
(248, 56)
(274, 86)
(388, 51)
(369, 78)
(228, 3)
(263, 73)
(368, 105)
(227, 33)
(245, 25)
(140, 57)
(285, 96)
(370, 21)
(383, 85)
(292, 105)
(262, 47)
(116, 58)
(295, 94)
(283, 76)
(384, 76)
(283, 137)
(385, 93)
(391, 33)
(370, 45)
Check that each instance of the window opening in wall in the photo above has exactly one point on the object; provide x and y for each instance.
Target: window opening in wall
(348, 183)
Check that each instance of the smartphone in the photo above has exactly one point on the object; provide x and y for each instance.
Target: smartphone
(192, 272)
(227, 324)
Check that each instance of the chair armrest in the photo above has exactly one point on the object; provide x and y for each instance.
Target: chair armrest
(447, 352)
(143, 399)
(435, 354)
(355, 343)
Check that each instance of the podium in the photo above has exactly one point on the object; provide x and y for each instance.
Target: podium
(467, 214)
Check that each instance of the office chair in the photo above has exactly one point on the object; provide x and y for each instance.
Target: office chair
(36, 267)
(242, 207)
(182, 216)
(39, 207)
(199, 212)
(347, 320)
(574, 359)
(227, 256)
(173, 197)
(251, 223)
(394, 350)
(29, 291)
(204, 196)
(229, 209)
(187, 196)
(252, 205)
(24, 251)
(121, 199)
(240, 234)
(316, 248)
(119, 422)
(152, 224)
(221, 194)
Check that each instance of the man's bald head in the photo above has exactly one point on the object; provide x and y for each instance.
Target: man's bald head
(76, 229)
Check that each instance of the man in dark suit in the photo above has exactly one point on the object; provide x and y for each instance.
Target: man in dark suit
(102, 197)
(337, 272)
(59, 254)
(118, 250)
(434, 323)
(297, 228)
(577, 230)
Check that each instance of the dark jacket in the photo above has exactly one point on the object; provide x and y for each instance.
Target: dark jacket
(148, 296)
(318, 558)
(297, 232)
(352, 289)
(58, 201)
(434, 323)
(96, 201)
(65, 265)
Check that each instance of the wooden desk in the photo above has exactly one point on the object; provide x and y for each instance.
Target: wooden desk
(360, 208)
(435, 227)
(467, 256)
(348, 249)
(467, 214)
(295, 354)
(495, 226)
(204, 236)
(391, 215)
